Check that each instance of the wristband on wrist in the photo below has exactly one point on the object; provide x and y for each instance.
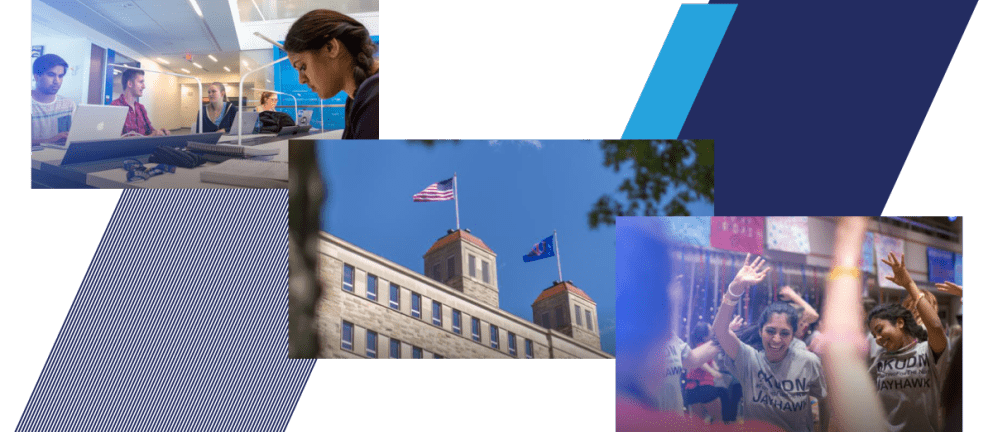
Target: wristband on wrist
(730, 300)
(842, 272)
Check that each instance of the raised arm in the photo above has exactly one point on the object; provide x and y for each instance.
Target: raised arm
(750, 274)
(935, 335)
(950, 288)
(809, 314)
(701, 355)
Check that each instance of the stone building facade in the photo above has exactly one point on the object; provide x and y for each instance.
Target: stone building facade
(373, 308)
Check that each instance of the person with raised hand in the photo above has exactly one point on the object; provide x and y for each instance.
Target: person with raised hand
(808, 315)
(950, 288)
(906, 370)
(777, 381)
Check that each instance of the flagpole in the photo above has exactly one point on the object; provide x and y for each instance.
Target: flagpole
(455, 180)
(555, 236)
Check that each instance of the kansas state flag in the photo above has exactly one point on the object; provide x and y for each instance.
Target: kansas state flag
(542, 249)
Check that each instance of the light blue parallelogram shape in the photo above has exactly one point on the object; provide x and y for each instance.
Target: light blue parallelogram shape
(679, 70)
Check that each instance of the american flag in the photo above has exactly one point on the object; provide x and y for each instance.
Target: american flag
(441, 191)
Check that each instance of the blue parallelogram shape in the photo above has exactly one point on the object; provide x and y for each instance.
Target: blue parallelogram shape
(679, 70)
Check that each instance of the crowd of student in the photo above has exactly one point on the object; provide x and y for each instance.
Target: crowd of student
(331, 51)
(868, 367)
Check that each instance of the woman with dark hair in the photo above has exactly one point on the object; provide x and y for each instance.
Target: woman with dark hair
(332, 53)
(906, 371)
(777, 381)
(270, 120)
(220, 114)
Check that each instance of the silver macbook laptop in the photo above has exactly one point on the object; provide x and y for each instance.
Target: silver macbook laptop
(97, 122)
(248, 120)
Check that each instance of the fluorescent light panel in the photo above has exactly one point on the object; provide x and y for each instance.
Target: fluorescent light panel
(245, 62)
(226, 68)
(196, 8)
(162, 60)
(212, 58)
(197, 65)
(184, 70)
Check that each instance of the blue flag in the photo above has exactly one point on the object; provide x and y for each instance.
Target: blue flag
(542, 249)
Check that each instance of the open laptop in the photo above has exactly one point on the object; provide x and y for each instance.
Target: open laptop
(98, 150)
(248, 120)
(96, 122)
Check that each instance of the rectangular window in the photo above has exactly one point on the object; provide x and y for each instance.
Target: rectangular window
(475, 329)
(528, 348)
(486, 272)
(395, 296)
(348, 279)
(512, 344)
(370, 344)
(472, 266)
(394, 348)
(418, 353)
(544, 321)
(415, 305)
(371, 291)
(436, 313)
(559, 317)
(494, 337)
(436, 272)
(579, 320)
(589, 321)
(347, 333)
(451, 267)
(456, 321)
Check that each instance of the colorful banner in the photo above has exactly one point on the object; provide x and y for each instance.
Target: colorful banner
(868, 246)
(690, 230)
(787, 234)
(737, 233)
(885, 245)
(940, 265)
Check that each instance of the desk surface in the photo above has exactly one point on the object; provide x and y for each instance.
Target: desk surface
(47, 161)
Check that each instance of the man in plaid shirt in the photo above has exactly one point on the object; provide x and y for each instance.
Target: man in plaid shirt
(137, 122)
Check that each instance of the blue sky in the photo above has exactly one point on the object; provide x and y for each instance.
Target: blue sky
(512, 194)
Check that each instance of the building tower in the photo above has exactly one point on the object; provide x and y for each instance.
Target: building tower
(462, 261)
(567, 309)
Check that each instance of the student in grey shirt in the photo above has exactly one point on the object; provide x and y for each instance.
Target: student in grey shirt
(777, 381)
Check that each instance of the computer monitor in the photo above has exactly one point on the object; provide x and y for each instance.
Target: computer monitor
(89, 151)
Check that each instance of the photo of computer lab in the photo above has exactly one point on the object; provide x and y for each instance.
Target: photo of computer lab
(195, 93)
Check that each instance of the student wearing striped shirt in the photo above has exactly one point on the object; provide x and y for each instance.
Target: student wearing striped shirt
(51, 114)
(137, 122)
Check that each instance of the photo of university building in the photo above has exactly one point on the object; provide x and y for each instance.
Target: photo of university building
(371, 307)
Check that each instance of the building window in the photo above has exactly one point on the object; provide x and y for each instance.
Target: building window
(436, 272)
(472, 265)
(371, 292)
(415, 305)
(486, 272)
(579, 319)
(395, 296)
(528, 348)
(451, 267)
(494, 337)
(589, 320)
(436, 313)
(347, 333)
(370, 344)
(544, 320)
(475, 329)
(348, 279)
(512, 344)
(418, 353)
(456, 321)
(559, 317)
(394, 348)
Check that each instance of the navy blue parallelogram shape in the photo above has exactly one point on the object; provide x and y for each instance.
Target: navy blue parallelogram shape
(180, 321)
(814, 106)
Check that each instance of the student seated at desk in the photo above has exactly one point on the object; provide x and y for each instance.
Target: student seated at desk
(137, 122)
(51, 114)
(270, 120)
(220, 115)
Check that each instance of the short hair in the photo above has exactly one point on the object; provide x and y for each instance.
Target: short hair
(128, 76)
(265, 96)
(44, 63)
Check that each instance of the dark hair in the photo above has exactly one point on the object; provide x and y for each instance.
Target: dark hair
(317, 27)
(700, 333)
(128, 76)
(265, 96)
(44, 63)
(890, 312)
(752, 335)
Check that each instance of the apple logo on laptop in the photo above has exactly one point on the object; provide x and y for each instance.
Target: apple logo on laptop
(100, 126)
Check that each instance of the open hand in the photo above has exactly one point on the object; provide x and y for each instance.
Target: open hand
(900, 274)
(750, 274)
(736, 323)
(950, 288)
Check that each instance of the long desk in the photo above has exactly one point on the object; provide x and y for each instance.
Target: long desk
(46, 171)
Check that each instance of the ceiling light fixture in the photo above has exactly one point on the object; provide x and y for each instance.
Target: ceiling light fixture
(245, 62)
(212, 58)
(226, 68)
(162, 60)
(184, 70)
(197, 65)
(196, 8)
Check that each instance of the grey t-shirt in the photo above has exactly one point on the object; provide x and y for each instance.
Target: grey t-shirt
(778, 393)
(798, 344)
(908, 383)
(671, 393)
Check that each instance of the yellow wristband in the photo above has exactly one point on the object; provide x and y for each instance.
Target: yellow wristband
(842, 272)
